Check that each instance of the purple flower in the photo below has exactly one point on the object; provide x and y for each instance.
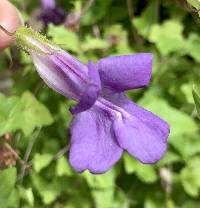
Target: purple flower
(51, 13)
(105, 121)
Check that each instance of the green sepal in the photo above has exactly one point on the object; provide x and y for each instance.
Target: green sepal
(23, 35)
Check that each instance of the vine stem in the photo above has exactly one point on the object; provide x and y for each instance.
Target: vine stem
(136, 37)
(27, 154)
(61, 152)
(87, 6)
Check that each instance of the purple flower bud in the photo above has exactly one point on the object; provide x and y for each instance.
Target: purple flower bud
(48, 3)
(51, 13)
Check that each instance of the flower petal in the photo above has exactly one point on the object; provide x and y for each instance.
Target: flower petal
(140, 132)
(59, 72)
(48, 3)
(93, 144)
(55, 76)
(122, 73)
(91, 92)
(55, 15)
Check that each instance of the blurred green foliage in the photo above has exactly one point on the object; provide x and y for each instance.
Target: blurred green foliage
(34, 120)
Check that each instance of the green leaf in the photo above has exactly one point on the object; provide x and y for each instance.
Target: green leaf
(194, 3)
(170, 204)
(191, 204)
(117, 31)
(64, 37)
(149, 16)
(96, 12)
(35, 113)
(14, 199)
(190, 177)
(102, 187)
(196, 96)
(27, 195)
(91, 43)
(118, 13)
(192, 46)
(93, 16)
(168, 37)
(187, 90)
(7, 178)
(180, 123)
(187, 146)
(129, 164)
(62, 167)
(103, 198)
(182, 126)
(47, 190)
(8, 120)
(146, 173)
(65, 115)
(152, 203)
(169, 158)
(41, 161)
(24, 113)
(103, 181)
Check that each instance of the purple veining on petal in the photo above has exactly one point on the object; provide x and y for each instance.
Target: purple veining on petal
(94, 74)
(113, 123)
(53, 76)
(140, 132)
(91, 92)
(58, 76)
(72, 64)
(144, 115)
(145, 143)
(121, 73)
